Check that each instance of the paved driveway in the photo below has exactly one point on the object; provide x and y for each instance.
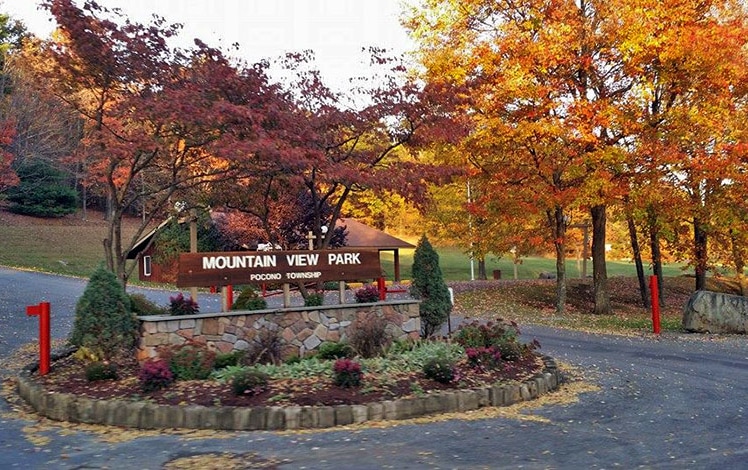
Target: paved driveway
(674, 402)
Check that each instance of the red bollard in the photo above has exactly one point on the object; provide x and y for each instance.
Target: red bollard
(229, 296)
(655, 304)
(42, 311)
(382, 289)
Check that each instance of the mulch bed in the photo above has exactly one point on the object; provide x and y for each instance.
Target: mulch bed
(67, 375)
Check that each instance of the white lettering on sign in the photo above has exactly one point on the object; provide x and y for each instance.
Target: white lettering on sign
(304, 275)
(237, 262)
(302, 259)
(343, 258)
(265, 277)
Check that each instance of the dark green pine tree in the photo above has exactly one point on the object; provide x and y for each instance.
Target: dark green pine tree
(104, 322)
(428, 285)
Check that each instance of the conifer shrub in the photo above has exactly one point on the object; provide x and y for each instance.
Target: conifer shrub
(233, 358)
(249, 299)
(43, 191)
(103, 321)
(155, 374)
(97, 371)
(368, 336)
(330, 350)
(249, 382)
(428, 285)
(179, 305)
(367, 294)
(347, 373)
(189, 361)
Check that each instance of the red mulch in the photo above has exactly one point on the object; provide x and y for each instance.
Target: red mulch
(68, 376)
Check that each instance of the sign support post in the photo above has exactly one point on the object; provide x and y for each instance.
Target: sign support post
(43, 312)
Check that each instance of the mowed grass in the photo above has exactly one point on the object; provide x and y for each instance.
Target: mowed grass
(455, 266)
(69, 246)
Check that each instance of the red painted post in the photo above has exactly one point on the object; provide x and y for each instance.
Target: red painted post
(655, 304)
(229, 297)
(382, 289)
(43, 312)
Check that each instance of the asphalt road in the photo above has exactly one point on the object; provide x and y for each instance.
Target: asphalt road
(678, 401)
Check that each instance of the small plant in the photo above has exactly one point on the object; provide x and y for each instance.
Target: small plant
(96, 371)
(249, 299)
(140, 305)
(314, 300)
(179, 305)
(249, 382)
(368, 336)
(347, 373)
(440, 369)
(266, 349)
(484, 358)
(155, 374)
(330, 350)
(233, 358)
(367, 294)
(189, 361)
(85, 354)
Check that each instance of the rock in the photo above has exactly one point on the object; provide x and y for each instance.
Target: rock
(547, 275)
(715, 312)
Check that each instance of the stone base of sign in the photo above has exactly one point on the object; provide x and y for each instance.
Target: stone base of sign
(301, 329)
(143, 415)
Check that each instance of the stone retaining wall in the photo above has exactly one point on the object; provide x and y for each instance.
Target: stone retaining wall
(142, 415)
(301, 329)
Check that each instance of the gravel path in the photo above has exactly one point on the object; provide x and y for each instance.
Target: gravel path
(672, 402)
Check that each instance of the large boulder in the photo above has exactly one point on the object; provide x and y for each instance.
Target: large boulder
(714, 312)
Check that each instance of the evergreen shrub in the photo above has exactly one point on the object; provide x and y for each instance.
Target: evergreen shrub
(428, 285)
(103, 321)
(189, 361)
(96, 371)
(249, 382)
(249, 299)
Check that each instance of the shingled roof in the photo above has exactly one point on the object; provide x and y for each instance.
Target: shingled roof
(363, 236)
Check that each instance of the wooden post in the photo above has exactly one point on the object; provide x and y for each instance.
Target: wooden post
(193, 245)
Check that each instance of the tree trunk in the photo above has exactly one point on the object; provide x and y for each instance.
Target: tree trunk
(700, 253)
(558, 225)
(482, 268)
(654, 244)
(738, 261)
(638, 260)
(599, 269)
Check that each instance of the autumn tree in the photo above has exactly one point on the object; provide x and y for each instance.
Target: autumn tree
(159, 123)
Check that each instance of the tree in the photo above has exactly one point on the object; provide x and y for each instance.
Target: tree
(428, 286)
(42, 192)
(103, 320)
(158, 123)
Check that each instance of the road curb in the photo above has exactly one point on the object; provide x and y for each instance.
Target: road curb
(142, 415)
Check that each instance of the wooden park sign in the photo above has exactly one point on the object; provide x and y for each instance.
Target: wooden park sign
(283, 267)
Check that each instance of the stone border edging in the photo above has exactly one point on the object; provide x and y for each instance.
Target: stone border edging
(142, 415)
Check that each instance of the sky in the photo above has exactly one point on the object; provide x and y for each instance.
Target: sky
(336, 30)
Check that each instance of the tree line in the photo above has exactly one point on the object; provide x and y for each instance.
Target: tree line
(519, 121)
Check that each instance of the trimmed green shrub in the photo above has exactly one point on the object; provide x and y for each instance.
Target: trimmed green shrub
(103, 320)
(428, 285)
(96, 371)
(440, 369)
(155, 374)
(330, 350)
(249, 382)
(189, 361)
(140, 305)
(314, 300)
(179, 305)
(347, 373)
(249, 299)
